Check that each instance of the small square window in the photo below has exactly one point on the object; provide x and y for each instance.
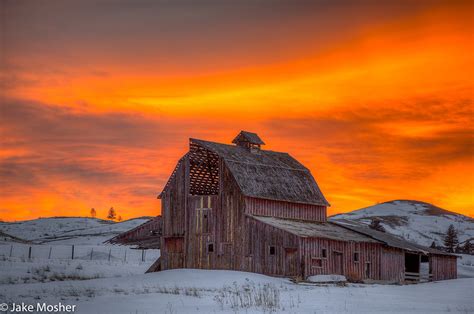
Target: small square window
(324, 253)
(356, 256)
(272, 250)
(316, 262)
(210, 247)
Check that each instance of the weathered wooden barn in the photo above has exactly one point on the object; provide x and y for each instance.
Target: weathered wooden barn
(241, 207)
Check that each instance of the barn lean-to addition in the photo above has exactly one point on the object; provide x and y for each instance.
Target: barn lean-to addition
(240, 207)
(144, 236)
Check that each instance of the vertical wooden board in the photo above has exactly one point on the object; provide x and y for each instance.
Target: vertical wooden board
(259, 258)
(443, 267)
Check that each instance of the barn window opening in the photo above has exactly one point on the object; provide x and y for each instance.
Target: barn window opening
(210, 248)
(203, 171)
(316, 262)
(356, 257)
(324, 253)
(272, 250)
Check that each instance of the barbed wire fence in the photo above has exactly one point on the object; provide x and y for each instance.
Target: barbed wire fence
(78, 252)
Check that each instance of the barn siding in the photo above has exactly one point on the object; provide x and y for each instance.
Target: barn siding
(257, 241)
(201, 230)
(173, 205)
(264, 207)
(368, 253)
(230, 224)
(443, 267)
(392, 264)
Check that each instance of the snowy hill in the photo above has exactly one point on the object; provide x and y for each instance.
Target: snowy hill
(68, 230)
(415, 221)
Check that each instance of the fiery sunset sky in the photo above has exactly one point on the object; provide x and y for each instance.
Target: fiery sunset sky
(99, 98)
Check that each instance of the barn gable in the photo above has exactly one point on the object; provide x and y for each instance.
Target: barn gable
(268, 174)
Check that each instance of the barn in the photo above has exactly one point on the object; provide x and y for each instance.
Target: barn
(240, 207)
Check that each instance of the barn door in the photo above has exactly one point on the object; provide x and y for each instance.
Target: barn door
(174, 248)
(291, 262)
(337, 263)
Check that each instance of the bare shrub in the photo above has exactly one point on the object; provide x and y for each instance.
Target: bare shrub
(248, 295)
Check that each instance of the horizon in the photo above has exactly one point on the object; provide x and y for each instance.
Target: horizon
(104, 217)
(375, 99)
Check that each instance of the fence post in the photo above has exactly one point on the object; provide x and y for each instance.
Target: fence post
(11, 250)
(50, 249)
(143, 255)
(29, 253)
(92, 252)
(110, 253)
(72, 252)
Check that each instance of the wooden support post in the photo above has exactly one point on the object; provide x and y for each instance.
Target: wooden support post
(50, 249)
(419, 267)
(110, 253)
(11, 250)
(143, 255)
(92, 253)
(29, 253)
(72, 252)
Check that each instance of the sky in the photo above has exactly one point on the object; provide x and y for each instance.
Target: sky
(99, 98)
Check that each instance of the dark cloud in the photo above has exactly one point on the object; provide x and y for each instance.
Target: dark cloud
(56, 144)
(164, 32)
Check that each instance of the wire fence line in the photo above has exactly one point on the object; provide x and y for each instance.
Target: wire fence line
(78, 252)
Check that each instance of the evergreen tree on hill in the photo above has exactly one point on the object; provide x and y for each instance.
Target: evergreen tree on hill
(451, 239)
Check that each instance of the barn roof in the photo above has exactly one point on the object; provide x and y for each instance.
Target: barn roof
(307, 229)
(250, 137)
(268, 174)
(388, 239)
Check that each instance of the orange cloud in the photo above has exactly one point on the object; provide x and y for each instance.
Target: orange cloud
(378, 112)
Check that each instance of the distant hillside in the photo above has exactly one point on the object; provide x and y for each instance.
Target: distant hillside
(415, 221)
(68, 230)
(4, 237)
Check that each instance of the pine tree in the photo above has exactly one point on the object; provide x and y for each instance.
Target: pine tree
(112, 214)
(119, 218)
(376, 225)
(433, 245)
(451, 239)
(93, 213)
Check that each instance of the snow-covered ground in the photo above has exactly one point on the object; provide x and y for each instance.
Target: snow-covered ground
(104, 278)
(465, 266)
(205, 291)
(415, 221)
(68, 230)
